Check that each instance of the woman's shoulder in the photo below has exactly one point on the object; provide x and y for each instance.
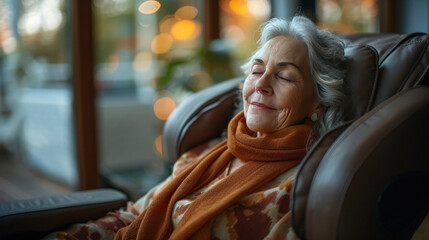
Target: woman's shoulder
(189, 157)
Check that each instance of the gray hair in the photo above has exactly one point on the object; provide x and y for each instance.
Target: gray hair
(327, 64)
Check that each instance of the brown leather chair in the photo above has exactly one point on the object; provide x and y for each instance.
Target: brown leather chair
(366, 179)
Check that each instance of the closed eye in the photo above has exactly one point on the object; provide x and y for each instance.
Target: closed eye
(258, 69)
(286, 79)
(284, 75)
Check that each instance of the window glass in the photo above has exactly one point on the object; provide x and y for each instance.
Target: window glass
(348, 16)
(150, 55)
(146, 54)
(35, 86)
(240, 23)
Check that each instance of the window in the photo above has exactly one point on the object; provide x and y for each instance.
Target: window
(35, 83)
(348, 16)
(150, 55)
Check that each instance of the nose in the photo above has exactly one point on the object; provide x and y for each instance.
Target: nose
(263, 84)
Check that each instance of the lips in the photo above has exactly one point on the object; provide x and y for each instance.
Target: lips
(259, 105)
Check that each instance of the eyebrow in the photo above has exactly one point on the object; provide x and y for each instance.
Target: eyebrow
(280, 63)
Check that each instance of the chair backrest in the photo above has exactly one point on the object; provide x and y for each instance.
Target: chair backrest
(379, 67)
(397, 62)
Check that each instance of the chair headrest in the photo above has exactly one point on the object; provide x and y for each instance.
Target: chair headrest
(403, 62)
(361, 79)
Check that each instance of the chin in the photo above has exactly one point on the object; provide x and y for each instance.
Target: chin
(257, 127)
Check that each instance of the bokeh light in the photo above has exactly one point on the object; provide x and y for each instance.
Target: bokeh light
(161, 43)
(185, 30)
(239, 6)
(142, 62)
(260, 9)
(163, 107)
(186, 13)
(348, 16)
(149, 7)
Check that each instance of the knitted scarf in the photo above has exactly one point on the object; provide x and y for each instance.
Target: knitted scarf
(265, 158)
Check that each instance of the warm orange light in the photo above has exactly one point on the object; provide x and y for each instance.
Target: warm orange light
(185, 30)
(149, 7)
(158, 144)
(161, 43)
(142, 61)
(239, 6)
(186, 13)
(368, 3)
(259, 8)
(163, 107)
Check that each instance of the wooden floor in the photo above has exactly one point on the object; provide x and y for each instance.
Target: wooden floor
(18, 182)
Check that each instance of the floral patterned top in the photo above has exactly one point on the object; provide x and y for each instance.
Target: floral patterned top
(263, 214)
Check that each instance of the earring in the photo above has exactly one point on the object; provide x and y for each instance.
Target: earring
(313, 117)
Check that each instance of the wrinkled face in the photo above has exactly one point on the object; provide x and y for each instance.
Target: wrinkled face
(279, 90)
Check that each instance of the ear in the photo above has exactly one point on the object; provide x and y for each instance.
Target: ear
(317, 108)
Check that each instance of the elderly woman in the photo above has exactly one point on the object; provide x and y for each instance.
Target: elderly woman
(239, 188)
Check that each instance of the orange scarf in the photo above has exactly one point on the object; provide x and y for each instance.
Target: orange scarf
(266, 158)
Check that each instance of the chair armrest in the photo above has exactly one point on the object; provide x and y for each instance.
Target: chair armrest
(38, 216)
(210, 109)
(373, 182)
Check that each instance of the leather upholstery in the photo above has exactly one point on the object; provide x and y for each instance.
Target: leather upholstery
(361, 79)
(377, 94)
(379, 66)
(388, 142)
(304, 179)
(403, 61)
(32, 218)
(201, 117)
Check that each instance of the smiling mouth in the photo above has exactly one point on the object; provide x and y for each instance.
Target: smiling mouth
(261, 106)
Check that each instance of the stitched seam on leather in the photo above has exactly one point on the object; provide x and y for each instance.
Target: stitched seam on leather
(400, 42)
(376, 78)
(411, 42)
(416, 63)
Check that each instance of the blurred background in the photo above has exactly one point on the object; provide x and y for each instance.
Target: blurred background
(86, 86)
